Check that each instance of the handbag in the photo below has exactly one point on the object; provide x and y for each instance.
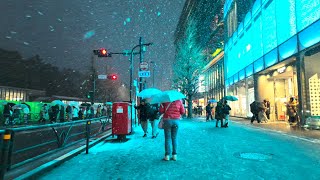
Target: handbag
(160, 124)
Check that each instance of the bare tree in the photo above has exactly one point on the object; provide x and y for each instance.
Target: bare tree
(188, 65)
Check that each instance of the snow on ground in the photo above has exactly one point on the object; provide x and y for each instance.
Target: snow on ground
(205, 152)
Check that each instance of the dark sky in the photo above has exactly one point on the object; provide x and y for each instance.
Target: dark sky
(64, 32)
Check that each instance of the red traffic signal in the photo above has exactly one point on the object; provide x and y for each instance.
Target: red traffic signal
(113, 77)
(102, 52)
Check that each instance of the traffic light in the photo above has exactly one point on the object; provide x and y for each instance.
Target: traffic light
(90, 94)
(113, 77)
(102, 52)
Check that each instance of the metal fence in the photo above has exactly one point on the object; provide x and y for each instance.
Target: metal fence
(23, 145)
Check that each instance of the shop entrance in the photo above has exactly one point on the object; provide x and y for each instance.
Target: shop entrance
(284, 86)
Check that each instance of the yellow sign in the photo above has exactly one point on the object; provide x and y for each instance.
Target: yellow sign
(7, 137)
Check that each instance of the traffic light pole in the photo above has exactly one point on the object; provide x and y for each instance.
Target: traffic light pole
(141, 60)
(93, 81)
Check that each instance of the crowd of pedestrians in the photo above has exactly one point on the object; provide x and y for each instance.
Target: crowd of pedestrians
(63, 113)
(53, 113)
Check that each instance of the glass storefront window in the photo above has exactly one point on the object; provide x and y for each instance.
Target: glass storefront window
(312, 80)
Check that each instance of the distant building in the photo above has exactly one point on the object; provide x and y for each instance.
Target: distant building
(19, 94)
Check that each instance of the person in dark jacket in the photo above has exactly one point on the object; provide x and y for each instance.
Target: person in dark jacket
(7, 114)
(209, 112)
(219, 115)
(143, 115)
(153, 117)
(255, 111)
(62, 114)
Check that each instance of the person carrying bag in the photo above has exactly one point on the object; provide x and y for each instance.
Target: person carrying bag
(171, 116)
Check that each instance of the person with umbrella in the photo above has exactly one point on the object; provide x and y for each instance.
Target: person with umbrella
(43, 113)
(172, 112)
(219, 113)
(227, 109)
(143, 115)
(153, 116)
(7, 114)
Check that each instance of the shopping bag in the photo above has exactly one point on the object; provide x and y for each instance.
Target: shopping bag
(160, 124)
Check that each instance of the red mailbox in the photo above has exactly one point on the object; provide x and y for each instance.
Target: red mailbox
(121, 119)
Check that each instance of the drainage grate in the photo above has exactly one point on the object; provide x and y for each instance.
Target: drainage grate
(254, 156)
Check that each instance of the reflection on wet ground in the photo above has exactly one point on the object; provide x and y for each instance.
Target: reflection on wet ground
(283, 126)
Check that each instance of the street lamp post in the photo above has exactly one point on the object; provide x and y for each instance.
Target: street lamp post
(131, 66)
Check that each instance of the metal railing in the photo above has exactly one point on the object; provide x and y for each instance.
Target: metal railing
(23, 145)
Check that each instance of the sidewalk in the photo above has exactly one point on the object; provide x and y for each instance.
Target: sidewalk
(205, 152)
(278, 126)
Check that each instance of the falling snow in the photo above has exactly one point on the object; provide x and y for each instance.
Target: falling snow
(89, 34)
(40, 13)
(109, 24)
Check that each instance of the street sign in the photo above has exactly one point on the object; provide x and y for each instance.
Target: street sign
(144, 66)
(102, 76)
(144, 73)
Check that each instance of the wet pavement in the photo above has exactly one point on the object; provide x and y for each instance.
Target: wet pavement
(242, 151)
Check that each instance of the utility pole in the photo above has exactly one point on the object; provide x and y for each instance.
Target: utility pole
(141, 60)
(93, 80)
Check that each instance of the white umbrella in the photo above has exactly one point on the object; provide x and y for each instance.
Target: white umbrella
(19, 106)
(167, 96)
(57, 102)
(148, 93)
(73, 103)
(108, 103)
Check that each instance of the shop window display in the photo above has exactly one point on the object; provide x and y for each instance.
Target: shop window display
(312, 77)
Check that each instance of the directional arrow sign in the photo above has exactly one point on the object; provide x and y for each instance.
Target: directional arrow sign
(144, 73)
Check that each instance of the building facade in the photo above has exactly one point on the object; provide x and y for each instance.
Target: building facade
(19, 94)
(272, 52)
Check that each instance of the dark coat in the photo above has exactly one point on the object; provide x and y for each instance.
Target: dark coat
(219, 111)
(154, 112)
(208, 109)
(144, 109)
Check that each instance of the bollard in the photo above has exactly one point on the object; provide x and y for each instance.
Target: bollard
(87, 136)
(5, 152)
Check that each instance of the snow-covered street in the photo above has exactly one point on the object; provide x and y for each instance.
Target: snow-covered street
(204, 152)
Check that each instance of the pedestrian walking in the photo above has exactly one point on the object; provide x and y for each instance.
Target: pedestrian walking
(226, 110)
(26, 113)
(7, 114)
(219, 113)
(61, 114)
(98, 113)
(267, 105)
(104, 111)
(255, 111)
(209, 112)
(55, 112)
(292, 109)
(69, 112)
(171, 116)
(143, 115)
(75, 113)
(153, 117)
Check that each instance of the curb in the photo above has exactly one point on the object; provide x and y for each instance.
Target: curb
(33, 174)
